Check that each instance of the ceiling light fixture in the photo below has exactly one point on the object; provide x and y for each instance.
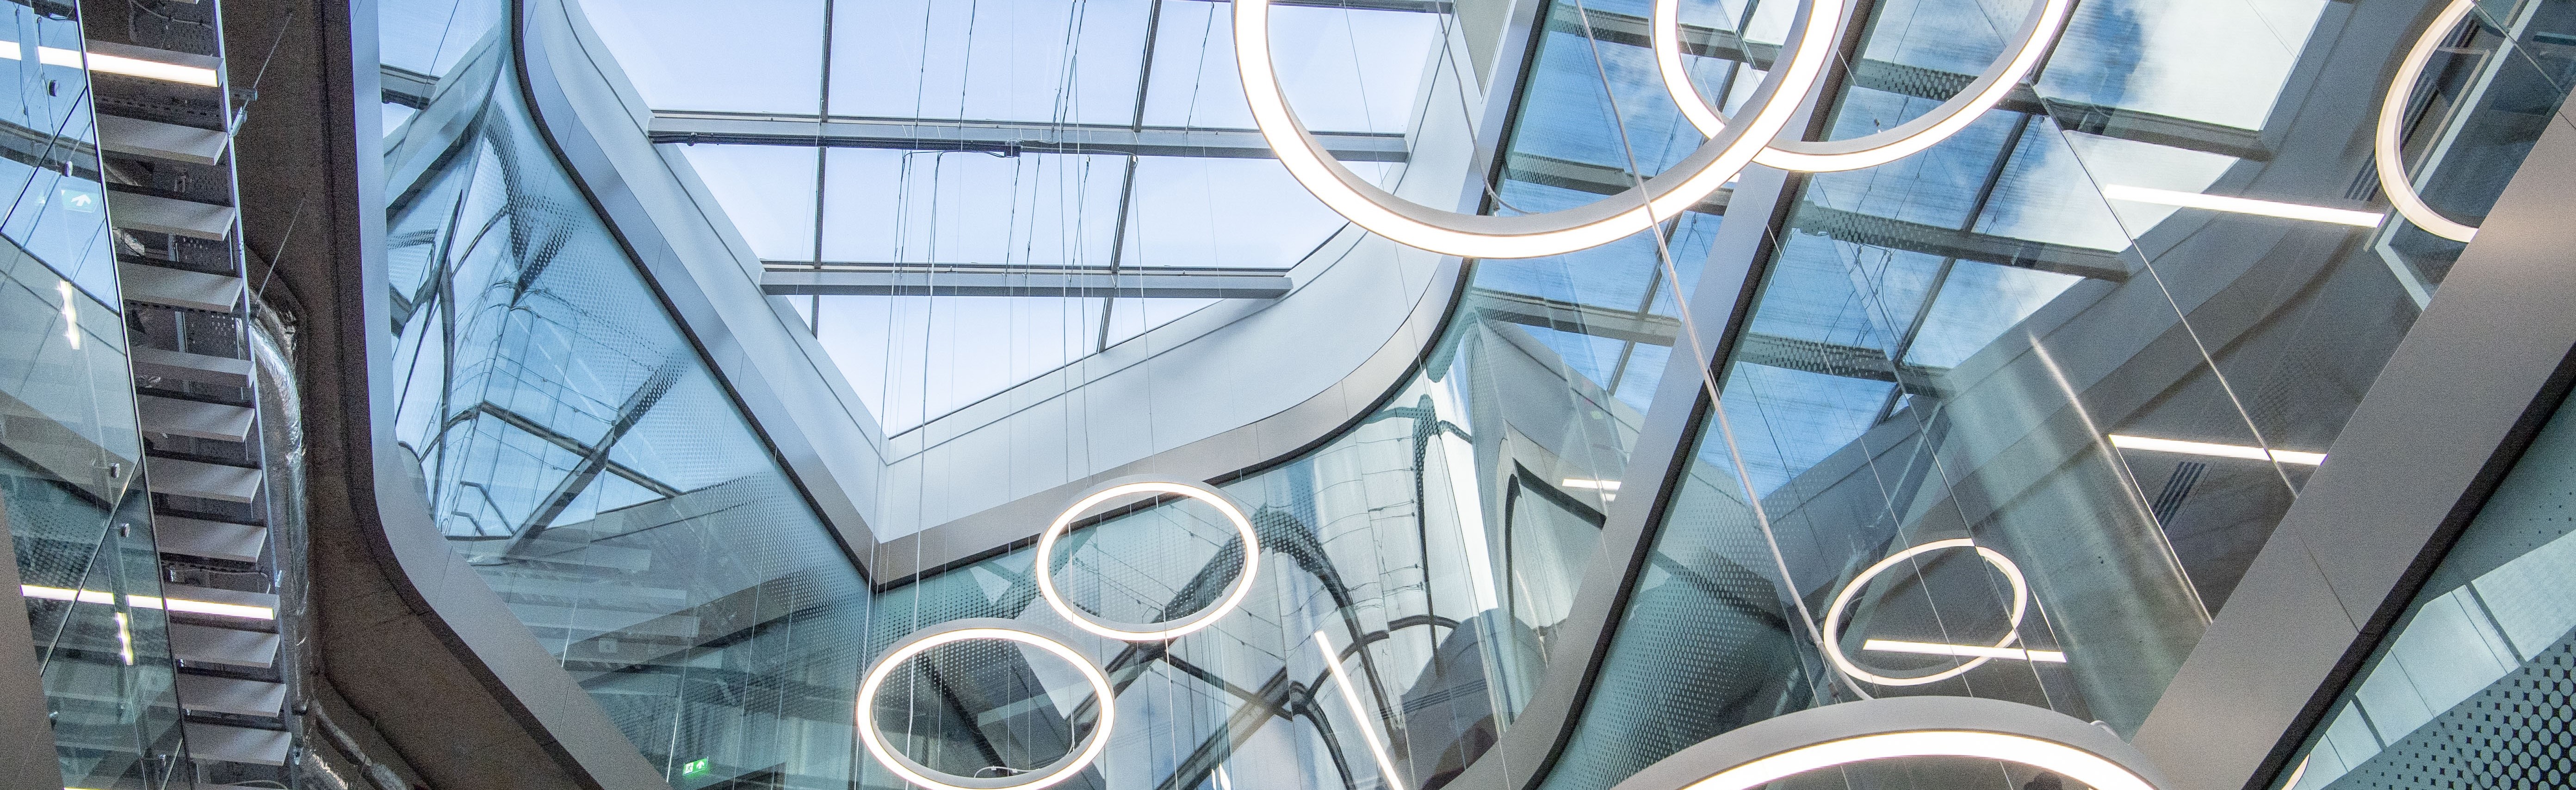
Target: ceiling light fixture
(1155, 632)
(104, 63)
(1359, 715)
(2219, 450)
(2038, 31)
(2238, 205)
(970, 629)
(182, 605)
(1604, 485)
(2385, 145)
(1818, 26)
(1936, 649)
(1851, 591)
(2077, 765)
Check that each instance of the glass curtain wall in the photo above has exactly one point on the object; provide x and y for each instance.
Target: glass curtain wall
(72, 494)
(2030, 411)
(579, 454)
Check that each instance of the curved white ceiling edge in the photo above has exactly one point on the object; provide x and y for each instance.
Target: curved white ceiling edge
(1851, 591)
(2038, 31)
(1898, 727)
(1666, 195)
(967, 630)
(2385, 144)
(1147, 632)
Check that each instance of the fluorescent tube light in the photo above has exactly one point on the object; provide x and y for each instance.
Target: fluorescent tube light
(115, 64)
(2219, 450)
(1601, 485)
(2237, 205)
(1933, 649)
(150, 602)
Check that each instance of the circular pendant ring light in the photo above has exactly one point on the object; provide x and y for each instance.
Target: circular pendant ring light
(1663, 196)
(2091, 770)
(967, 630)
(2392, 115)
(1843, 600)
(2038, 31)
(1148, 632)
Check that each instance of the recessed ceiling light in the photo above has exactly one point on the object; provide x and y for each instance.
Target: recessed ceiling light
(2237, 205)
(2219, 450)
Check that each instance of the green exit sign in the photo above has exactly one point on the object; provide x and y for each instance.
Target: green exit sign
(697, 767)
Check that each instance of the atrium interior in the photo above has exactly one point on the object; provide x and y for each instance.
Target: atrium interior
(1292, 394)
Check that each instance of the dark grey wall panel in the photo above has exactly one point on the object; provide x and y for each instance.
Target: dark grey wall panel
(2448, 415)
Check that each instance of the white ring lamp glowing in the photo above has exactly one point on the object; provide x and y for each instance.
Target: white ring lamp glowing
(1153, 632)
(2392, 111)
(967, 630)
(1600, 222)
(2083, 767)
(1848, 733)
(1843, 601)
(2038, 31)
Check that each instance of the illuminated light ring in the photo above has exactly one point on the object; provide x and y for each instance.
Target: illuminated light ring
(970, 629)
(1899, 727)
(1843, 601)
(1154, 632)
(2038, 31)
(1609, 219)
(2385, 145)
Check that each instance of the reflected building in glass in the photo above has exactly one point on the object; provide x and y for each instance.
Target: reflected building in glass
(582, 394)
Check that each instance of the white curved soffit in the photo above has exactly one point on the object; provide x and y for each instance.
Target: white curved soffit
(1900, 727)
(1148, 632)
(1551, 233)
(2038, 31)
(872, 734)
(2392, 115)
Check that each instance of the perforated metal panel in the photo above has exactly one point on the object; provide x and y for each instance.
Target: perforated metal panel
(2518, 734)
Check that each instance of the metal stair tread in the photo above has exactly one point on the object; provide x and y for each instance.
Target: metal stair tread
(237, 484)
(226, 743)
(205, 644)
(184, 366)
(212, 694)
(157, 214)
(194, 418)
(157, 140)
(211, 539)
(156, 285)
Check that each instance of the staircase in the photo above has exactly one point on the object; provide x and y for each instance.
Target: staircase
(166, 151)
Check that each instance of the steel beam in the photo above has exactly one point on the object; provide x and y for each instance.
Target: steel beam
(998, 137)
(968, 280)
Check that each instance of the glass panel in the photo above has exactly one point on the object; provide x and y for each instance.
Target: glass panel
(768, 192)
(1343, 70)
(431, 36)
(80, 524)
(584, 460)
(2481, 653)
(748, 56)
(993, 60)
(968, 207)
(1232, 213)
(49, 157)
(913, 358)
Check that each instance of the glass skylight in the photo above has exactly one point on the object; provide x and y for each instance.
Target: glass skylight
(918, 71)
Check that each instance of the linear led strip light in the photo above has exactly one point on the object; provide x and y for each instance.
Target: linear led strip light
(982, 628)
(2238, 205)
(1977, 655)
(1148, 632)
(105, 62)
(2218, 450)
(1818, 26)
(182, 605)
(2385, 144)
(2038, 31)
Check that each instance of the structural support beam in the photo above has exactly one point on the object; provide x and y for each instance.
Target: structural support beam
(1937, 85)
(968, 280)
(906, 134)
